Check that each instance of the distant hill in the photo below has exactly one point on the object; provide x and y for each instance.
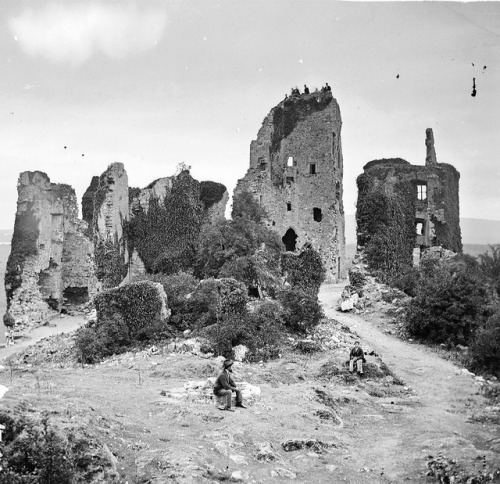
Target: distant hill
(474, 230)
(5, 236)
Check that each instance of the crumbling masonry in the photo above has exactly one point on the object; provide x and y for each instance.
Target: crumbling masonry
(295, 173)
(430, 192)
(57, 259)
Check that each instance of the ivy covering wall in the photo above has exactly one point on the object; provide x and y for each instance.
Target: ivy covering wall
(165, 236)
(24, 245)
(386, 225)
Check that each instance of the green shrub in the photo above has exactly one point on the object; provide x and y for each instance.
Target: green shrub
(489, 264)
(449, 304)
(126, 316)
(302, 310)
(35, 452)
(260, 331)
(485, 350)
(357, 280)
(304, 270)
(406, 281)
(245, 206)
(247, 250)
(178, 288)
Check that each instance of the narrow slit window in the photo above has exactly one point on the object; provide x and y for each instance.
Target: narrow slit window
(260, 199)
(420, 228)
(290, 161)
(312, 169)
(289, 207)
(421, 191)
(317, 215)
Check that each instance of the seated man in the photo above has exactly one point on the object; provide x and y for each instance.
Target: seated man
(357, 356)
(224, 386)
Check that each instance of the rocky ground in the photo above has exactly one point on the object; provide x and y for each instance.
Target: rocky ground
(413, 414)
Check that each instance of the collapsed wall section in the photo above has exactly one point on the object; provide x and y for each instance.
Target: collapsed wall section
(295, 173)
(49, 252)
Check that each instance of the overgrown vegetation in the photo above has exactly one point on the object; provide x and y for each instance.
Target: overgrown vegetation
(304, 270)
(109, 256)
(24, 245)
(126, 316)
(211, 193)
(165, 236)
(33, 451)
(386, 226)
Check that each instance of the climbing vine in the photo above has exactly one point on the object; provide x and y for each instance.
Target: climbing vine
(386, 225)
(24, 245)
(211, 193)
(165, 236)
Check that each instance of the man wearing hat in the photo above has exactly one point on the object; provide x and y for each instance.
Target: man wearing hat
(224, 386)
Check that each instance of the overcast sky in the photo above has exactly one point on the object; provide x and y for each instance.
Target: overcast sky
(152, 84)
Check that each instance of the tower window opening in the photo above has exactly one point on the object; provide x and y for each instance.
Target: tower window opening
(317, 215)
(419, 226)
(290, 161)
(421, 191)
(289, 207)
(290, 179)
(312, 169)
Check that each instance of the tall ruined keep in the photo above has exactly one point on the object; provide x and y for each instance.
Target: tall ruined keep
(295, 173)
(422, 200)
(52, 258)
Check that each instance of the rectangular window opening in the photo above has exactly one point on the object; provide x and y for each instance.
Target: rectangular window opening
(421, 191)
(317, 215)
(290, 161)
(289, 207)
(312, 169)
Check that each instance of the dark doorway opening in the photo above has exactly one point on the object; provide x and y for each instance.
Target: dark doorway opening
(290, 240)
(317, 215)
(76, 295)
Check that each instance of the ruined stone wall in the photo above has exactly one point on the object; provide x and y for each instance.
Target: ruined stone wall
(435, 195)
(295, 173)
(110, 218)
(38, 274)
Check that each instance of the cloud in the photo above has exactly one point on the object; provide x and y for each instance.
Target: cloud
(74, 32)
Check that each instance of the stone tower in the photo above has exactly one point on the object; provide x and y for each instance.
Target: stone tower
(296, 172)
(52, 258)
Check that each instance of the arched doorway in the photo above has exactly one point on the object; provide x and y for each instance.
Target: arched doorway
(290, 240)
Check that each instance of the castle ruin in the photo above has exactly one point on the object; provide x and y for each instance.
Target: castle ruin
(57, 259)
(423, 200)
(295, 174)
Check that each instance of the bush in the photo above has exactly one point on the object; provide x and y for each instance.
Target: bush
(302, 310)
(490, 266)
(357, 280)
(304, 270)
(485, 350)
(126, 316)
(449, 304)
(261, 331)
(406, 281)
(34, 452)
(178, 288)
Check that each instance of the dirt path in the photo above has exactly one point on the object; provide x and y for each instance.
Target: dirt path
(56, 326)
(438, 422)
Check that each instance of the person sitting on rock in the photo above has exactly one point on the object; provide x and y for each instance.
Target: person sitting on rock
(328, 88)
(224, 386)
(306, 89)
(357, 356)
